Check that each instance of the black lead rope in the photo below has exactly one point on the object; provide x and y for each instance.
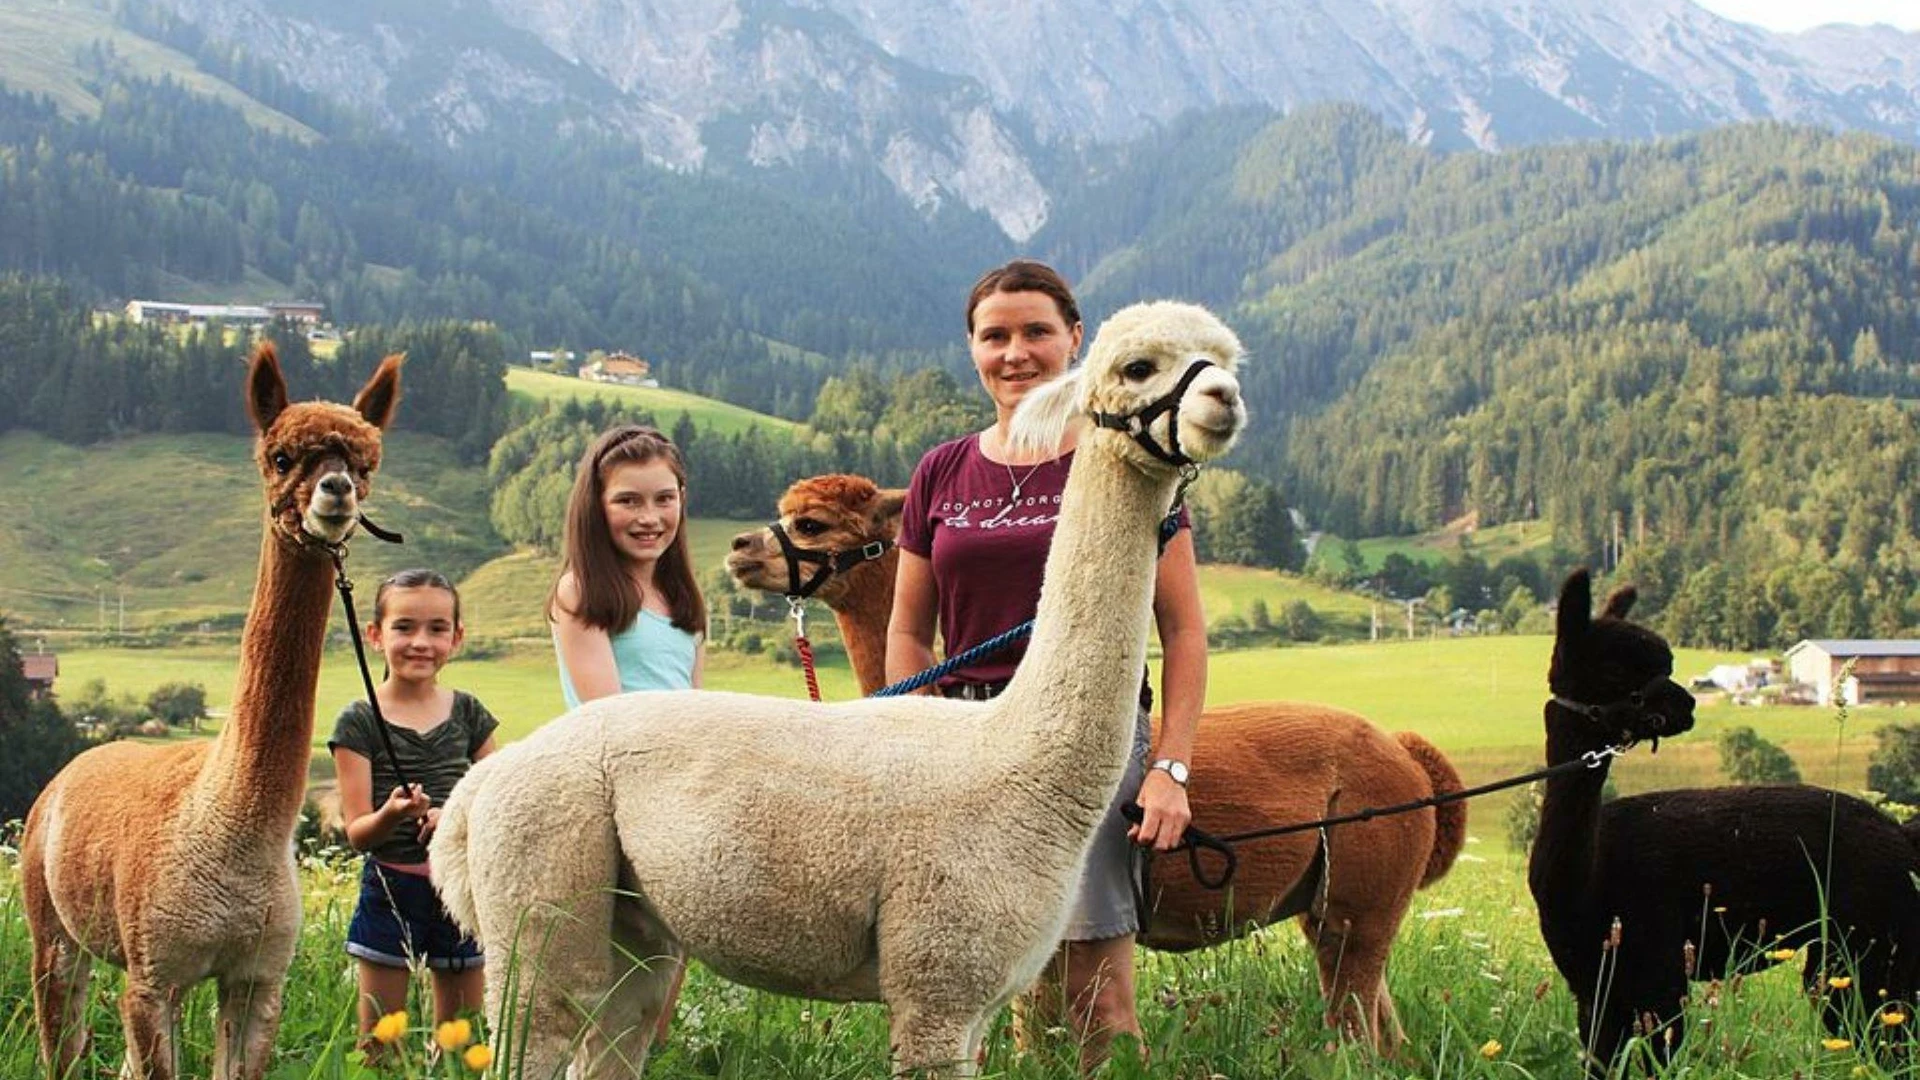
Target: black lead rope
(1196, 840)
(344, 585)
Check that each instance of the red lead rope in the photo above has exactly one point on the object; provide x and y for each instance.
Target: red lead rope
(797, 611)
(805, 648)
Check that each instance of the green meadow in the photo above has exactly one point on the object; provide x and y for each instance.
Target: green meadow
(665, 404)
(1472, 985)
(1478, 699)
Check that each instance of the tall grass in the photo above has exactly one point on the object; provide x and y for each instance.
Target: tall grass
(1474, 988)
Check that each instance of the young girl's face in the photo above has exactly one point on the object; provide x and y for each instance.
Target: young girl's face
(416, 633)
(642, 502)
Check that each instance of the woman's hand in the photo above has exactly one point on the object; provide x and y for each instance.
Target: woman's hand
(1166, 812)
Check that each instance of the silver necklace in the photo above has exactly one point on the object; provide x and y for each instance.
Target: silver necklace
(1020, 482)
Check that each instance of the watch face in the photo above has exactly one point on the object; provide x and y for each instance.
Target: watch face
(1175, 769)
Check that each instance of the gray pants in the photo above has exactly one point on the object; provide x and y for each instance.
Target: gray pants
(1104, 906)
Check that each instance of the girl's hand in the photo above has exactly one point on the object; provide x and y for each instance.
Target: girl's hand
(429, 823)
(409, 803)
(1167, 813)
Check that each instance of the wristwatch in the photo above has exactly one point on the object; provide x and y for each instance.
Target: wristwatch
(1172, 767)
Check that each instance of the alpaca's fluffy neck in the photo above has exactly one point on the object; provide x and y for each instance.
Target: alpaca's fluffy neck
(1563, 851)
(861, 611)
(1069, 712)
(257, 770)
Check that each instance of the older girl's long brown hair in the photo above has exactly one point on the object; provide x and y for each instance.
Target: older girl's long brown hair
(608, 600)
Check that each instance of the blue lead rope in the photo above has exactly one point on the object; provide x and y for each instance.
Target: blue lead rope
(992, 645)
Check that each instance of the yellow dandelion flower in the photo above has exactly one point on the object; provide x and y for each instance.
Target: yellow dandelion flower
(1781, 954)
(1893, 1018)
(1491, 1049)
(1840, 982)
(390, 1027)
(453, 1034)
(478, 1057)
(1837, 1044)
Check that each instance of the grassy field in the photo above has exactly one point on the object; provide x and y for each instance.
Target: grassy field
(1517, 538)
(39, 40)
(83, 527)
(666, 405)
(1478, 699)
(1471, 982)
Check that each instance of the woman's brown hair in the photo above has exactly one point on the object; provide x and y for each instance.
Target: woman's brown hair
(1025, 275)
(607, 599)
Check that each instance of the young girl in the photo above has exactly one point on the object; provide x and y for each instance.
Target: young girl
(437, 734)
(626, 611)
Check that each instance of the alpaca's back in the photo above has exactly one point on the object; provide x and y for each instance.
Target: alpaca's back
(1748, 869)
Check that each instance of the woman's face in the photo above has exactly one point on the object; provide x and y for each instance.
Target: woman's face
(1019, 341)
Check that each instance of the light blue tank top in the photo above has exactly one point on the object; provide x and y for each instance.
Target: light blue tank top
(650, 654)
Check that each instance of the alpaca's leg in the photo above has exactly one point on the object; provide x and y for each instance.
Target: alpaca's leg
(929, 1043)
(645, 962)
(1338, 983)
(249, 1017)
(546, 924)
(62, 973)
(150, 1014)
(1387, 1019)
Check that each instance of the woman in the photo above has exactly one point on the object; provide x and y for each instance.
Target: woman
(973, 543)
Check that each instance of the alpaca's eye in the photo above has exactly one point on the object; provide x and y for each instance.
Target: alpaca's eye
(808, 527)
(1138, 369)
(282, 462)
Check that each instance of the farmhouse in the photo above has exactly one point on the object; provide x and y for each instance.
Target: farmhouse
(40, 669)
(619, 367)
(1882, 670)
(301, 313)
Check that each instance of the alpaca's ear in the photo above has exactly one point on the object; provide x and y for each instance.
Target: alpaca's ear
(1040, 423)
(377, 400)
(1576, 604)
(266, 387)
(887, 504)
(1619, 602)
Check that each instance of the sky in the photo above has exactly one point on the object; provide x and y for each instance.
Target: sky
(1801, 14)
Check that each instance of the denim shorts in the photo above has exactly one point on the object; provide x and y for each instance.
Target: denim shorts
(1104, 906)
(400, 920)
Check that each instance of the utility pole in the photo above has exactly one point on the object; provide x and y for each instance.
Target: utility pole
(123, 609)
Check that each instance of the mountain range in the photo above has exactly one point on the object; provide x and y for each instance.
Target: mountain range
(987, 104)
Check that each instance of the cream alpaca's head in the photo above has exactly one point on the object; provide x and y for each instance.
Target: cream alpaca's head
(1135, 366)
(317, 458)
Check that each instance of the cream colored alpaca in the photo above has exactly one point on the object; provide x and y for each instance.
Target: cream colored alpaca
(915, 850)
(176, 862)
(1255, 765)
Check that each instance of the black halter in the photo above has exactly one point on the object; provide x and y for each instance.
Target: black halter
(829, 562)
(1619, 715)
(1138, 424)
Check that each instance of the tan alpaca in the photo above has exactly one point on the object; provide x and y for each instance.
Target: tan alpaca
(1255, 765)
(915, 850)
(176, 862)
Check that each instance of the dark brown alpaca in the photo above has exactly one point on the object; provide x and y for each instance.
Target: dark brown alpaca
(1701, 883)
(176, 862)
(1255, 765)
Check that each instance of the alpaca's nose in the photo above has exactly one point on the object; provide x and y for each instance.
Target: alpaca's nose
(742, 541)
(336, 485)
(1227, 394)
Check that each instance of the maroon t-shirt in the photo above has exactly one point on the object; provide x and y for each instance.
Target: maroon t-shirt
(988, 551)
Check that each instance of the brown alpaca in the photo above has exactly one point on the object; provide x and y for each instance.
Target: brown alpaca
(176, 862)
(1255, 765)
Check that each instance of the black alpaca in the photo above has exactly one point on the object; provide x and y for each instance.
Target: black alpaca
(1702, 882)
